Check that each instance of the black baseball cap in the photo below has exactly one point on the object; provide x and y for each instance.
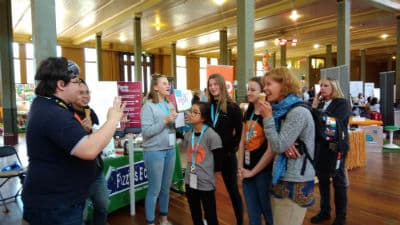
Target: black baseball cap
(73, 68)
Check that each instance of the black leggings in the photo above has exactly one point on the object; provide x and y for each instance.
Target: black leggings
(196, 198)
(229, 174)
(339, 181)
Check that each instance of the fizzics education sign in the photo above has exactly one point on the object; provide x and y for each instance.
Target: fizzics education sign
(118, 178)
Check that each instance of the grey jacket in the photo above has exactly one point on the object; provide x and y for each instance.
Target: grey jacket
(155, 132)
(298, 123)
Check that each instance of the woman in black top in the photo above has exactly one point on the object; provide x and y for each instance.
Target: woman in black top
(226, 118)
(330, 160)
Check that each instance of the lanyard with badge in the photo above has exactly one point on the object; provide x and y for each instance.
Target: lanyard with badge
(165, 108)
(195, 150)
(250, 132)
(214, 115)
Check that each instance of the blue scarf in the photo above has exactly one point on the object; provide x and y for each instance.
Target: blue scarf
(279, 110)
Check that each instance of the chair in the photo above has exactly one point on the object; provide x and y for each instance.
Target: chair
(9, 171)
(391, 130)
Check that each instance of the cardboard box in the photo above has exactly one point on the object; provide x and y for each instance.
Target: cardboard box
(373, 135)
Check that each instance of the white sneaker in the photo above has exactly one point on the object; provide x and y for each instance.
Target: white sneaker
(165, 222)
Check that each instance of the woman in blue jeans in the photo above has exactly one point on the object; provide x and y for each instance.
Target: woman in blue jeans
(158, 130)
(255, 157)
(226, 118)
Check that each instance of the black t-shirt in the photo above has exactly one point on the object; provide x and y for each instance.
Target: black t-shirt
(258, 144)
(229, 126)
(54, 176)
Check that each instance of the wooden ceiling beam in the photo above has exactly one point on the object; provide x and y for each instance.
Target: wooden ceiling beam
(111, 21)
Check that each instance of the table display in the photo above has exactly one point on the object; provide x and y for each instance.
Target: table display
(356, 157)
(116, 173)
(361, 121)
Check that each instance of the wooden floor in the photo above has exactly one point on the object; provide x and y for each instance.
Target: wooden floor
(373, 198)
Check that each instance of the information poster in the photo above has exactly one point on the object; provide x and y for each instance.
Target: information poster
(131, 94)
(226, 72)
(369, 89)
(183, 99)
(356, 87)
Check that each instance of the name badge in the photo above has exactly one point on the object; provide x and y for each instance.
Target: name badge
(193, 181)
(247, 158)
(171, 138)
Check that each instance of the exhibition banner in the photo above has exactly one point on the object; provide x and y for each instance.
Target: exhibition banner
(226, 72)
(131, 94)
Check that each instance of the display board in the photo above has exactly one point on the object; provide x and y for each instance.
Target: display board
(356, 87)
(25, 93)
(369, 89)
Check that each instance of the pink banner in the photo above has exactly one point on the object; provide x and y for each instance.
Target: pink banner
(131, 93)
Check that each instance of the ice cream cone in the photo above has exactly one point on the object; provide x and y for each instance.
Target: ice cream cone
(262, 97)
(172, 111)
(87, 113)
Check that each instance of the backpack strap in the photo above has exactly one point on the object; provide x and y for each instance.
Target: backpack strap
(308, 156)
(304, 148)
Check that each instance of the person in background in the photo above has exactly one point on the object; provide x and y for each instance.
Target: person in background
(199, 175)
(254, 158)
(366, 112)
(98, 192)
(159, 137)
(226, 118)
(330, 162)
(361, 99)
(290, 132)
(375, 106)
(61, 153)
(311, 93)
(306, 95)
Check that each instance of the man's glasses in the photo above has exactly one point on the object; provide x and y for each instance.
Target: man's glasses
(76, 81)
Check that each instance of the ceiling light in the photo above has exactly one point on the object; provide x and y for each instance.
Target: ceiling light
(259, 44)
(294, 15)
(88, 20)
(276, 41)
(157, 23)
(394, 57)
(294, 42)
(384, 36)
(122, 38)
(181, 44)
(219, 2)
(316, 46)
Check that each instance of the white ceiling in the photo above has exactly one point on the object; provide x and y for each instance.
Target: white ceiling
(194, 24)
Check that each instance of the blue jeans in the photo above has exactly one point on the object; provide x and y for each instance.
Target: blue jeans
(256, 192)
(160, 168)
(62, 215)
(98, 194)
